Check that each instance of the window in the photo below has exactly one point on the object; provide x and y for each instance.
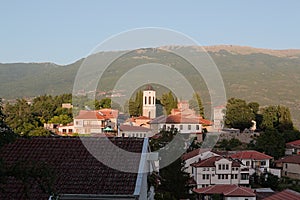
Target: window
(153, 100)
(181, 127)
(232, 176)
(145, 100)
(207, 176)
(189, 127)
(197, 127)
(144, 135)
(226, 166)
(244, 176)
(235, 176)
(64, 130)
(213, 169)
(149, 100)
(203, 176)
(226, 176)
(204, 169)
(233, 169)
(70, 130)
(207, 169)
(263, 163)
(219, 167)
(247, 163)
(219, 176)
(223, 166)
(286, 165)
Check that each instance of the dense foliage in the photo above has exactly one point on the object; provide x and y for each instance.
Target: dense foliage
(169, 102)
(196, 104)
(171, 183)
(27, 119)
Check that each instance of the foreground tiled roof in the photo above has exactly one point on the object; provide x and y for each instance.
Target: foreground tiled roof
(290, 159)
(285, 194)
(251, 154)
(77, 171)
(226, 190)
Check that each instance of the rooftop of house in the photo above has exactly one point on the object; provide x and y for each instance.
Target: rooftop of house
(101, 114)
(226, 190)
(76, 170)
(285, 194)
(194, 153)
(130, 128)
(180, 119)
(210, 162)
(290, 159)
(250, 154)
(295, 143)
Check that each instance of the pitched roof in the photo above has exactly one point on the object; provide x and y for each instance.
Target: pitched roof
(290, 159)
(285, 194)
(250, 154)
(181, 119)
(295, 143)
(130, 128)
(89, 114)
(102, 114)
(226, 190)
(77, 171)
(193, 153)
(210, 162)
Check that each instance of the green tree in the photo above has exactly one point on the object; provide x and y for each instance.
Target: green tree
(238, 114)
(173, 173)
(61, 119)
(196, 104)
(277, 117)
(103, 103)
(271, 142)
(169, 102)
(6, 133)
(136, 104)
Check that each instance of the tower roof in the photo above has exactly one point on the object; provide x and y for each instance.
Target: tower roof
(149, 87)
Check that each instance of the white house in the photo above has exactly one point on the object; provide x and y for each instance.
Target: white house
(254, 160)
(134, 131)
(195, 156)
(94, 121)
(219, 170)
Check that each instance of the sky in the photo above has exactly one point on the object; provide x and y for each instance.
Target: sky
(63, 31)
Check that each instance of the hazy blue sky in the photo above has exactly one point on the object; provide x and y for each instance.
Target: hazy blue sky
(64, 31)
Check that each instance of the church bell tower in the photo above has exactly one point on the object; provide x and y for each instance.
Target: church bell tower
(149, 107)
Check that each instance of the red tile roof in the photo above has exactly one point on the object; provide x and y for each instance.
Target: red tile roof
(180, 119)
(210, 162)
(97, 114)
(89, 114)
(293, 144)
(285, 194)
(77, 171)
(290, 159)
(251, 154)
(193, 153)
(226, 190)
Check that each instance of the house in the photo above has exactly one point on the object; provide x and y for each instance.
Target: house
(292, 147)
(139, 121)
(94, 121)
(219, 170)
(79, 175)
(195, 156)
(253, 160)
(285, 194)
(225, 192)
(66, 130)
(134, 131)
(290, 166)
